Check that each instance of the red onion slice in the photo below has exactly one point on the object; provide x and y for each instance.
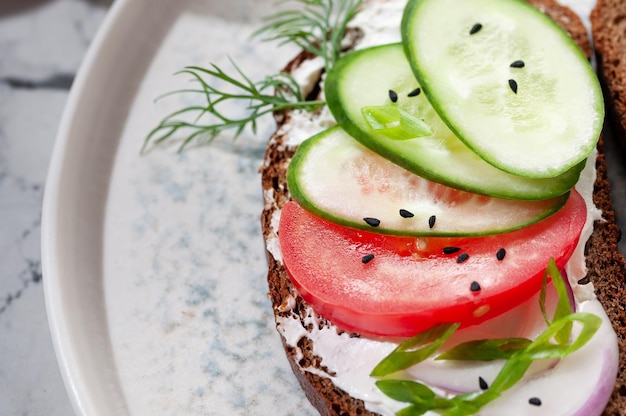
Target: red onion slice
(580, 384)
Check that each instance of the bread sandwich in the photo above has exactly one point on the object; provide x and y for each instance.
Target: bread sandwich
(323, 353)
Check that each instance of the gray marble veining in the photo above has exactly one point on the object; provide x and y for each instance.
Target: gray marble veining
(41, 46)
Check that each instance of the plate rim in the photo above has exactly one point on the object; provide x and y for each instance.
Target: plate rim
(81, 396)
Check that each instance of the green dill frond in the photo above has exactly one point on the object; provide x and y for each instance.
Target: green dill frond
(203, 122)
(317, 26)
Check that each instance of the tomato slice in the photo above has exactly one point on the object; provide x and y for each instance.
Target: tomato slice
(410, 283)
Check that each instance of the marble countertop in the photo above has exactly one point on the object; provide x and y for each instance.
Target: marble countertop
(42, 43)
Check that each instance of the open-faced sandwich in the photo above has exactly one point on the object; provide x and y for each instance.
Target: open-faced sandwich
(437, 215)
(440, 234)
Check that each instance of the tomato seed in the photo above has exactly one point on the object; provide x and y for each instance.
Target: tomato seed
(518, 64)
(393, 96)
(481, 311)
(513, 85)
(462, 258)
(535, 401)
(431, 221)
(414, 93)
(367, 258)
(374, 222)
(475, 28)
(500, 254)
(474, 287)
(406, 214)
(482, 383)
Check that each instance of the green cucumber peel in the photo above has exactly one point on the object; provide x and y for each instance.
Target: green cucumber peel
(336, 178)
(536, 120)
(554, 342)
(385, 68)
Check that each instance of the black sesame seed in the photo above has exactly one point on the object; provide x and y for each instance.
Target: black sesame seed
(474, 287)
(393, 96)
(431, 221)
(482, 383)
(517, 64)
(406, 214)
(415, 92)
(500, 254)
(462, 257)
(374, 222)
(535, 401)
(475, 28)
(367, 258)
(513, 85)
(451, 250)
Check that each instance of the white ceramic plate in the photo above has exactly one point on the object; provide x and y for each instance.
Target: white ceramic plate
(154, 265)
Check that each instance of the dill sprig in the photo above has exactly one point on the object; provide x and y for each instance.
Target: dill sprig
(317, 26)
(205, 122)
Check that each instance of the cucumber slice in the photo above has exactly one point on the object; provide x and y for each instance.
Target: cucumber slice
(507, 80)
(340, 180)
(363, 79)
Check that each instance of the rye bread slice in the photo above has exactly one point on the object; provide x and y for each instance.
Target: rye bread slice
(606, 267)
(608, 30)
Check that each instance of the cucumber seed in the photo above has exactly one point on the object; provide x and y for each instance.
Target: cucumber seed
(513, 85)
(517, 64)
(374, 222)
(393, 96)
(475, 28)
(415, 92)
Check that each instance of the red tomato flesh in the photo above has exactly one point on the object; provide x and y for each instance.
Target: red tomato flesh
(410, 284)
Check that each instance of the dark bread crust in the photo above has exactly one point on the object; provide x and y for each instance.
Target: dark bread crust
(327, 398)
(568, 20)
(606, 269)
(608, 30)
(605, 263)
